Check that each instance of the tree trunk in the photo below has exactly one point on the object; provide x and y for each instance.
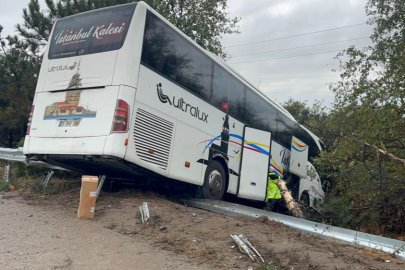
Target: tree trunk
(292, 205)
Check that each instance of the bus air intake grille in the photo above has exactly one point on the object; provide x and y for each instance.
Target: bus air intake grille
(153, 138)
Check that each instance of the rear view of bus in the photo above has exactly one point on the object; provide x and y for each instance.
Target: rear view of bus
(83, 100)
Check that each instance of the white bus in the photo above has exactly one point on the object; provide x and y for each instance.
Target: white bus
(123, 92)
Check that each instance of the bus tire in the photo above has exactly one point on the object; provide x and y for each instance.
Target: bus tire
(214, 181)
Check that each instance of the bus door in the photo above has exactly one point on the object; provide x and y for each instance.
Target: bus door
(298, 158)
(254, 164)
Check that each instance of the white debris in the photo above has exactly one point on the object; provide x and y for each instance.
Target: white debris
(246, 241)
(243, 247)
(144, 212)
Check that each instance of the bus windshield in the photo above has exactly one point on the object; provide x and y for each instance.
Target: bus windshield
(91, 32)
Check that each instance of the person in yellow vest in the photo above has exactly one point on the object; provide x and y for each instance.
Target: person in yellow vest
(273, 192)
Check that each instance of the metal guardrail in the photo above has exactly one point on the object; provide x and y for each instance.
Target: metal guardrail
(12, 155)
(17, 155)
(354, 237)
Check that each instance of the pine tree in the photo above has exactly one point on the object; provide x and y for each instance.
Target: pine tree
(19, 67)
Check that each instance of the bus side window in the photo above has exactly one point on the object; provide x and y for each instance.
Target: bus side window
(252, 110)
(167, 51)
(220, 86)
(226, 89)
(237, 100)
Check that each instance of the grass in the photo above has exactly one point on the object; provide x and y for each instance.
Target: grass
(269, 266)
(31, 179)
(3, 185)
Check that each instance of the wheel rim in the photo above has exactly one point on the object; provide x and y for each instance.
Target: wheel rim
(215, 182)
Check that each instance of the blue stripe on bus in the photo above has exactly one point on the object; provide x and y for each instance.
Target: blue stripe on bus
(296, 149)
(208, 145)
(240, 138)
(259, 149)
(69, 117)
(236, 136)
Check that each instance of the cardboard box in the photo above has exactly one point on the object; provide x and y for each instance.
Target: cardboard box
(88, 194)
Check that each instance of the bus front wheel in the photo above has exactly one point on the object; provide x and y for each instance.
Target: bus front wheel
(214, 181)
(304, 199)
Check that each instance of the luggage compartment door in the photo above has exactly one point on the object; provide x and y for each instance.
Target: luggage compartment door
(255, 164)
(299, 157)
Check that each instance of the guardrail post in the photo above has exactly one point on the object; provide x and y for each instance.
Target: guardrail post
(48, 178)
(7, 173)
(100, 184)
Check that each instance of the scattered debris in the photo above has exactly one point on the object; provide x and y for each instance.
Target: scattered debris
(11, 187)
(162, 228)
(246, 241)
(144, 212)
(194, 214)
(243, 247)
(112, 225)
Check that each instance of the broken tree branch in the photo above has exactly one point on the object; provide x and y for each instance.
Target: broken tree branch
(292, 205)
(379, 150)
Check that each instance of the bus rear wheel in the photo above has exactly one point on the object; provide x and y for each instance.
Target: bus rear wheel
(214, 181)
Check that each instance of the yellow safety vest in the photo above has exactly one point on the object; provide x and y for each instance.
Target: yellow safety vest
(273, 192)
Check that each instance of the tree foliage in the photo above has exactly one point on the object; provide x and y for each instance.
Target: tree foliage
(364, 131)
(19, 67)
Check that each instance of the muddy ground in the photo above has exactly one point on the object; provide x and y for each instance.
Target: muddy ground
(43, 232)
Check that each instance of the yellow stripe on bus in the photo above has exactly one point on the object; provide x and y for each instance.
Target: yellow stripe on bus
(254, 143)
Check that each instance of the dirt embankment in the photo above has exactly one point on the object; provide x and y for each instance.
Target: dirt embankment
(198, 238)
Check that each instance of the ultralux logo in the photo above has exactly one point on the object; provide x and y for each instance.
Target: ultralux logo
(181, 105)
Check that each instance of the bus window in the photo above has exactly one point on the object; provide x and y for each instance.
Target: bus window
(257, 112)
(268, 115)
(165, 50)
(237, 100)
(226, 88)
(285, 130)
(220, 86)
(252, 103)
(91, 32)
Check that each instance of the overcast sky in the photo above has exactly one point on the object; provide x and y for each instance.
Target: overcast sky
(302, 77)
